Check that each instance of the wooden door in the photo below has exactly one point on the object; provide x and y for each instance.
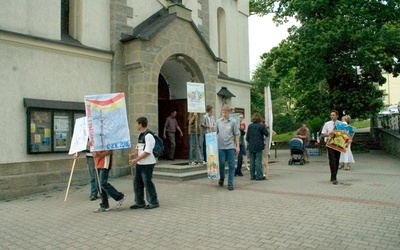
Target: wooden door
(164, 110)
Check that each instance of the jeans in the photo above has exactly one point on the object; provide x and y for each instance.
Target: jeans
(240, 156)
(256, 171)
(195, 146)
(94, 186)
(334, 157)
(172, 145)
(227, 155)
(143, 179)
(107, 188)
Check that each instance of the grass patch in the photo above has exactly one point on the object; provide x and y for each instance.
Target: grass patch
(361, 124)
(290, 135)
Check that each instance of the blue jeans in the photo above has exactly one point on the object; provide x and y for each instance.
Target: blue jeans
(107, 188)
(193, 149)
(227, 155)
(256, 171)
(143, 179)
(94, 186)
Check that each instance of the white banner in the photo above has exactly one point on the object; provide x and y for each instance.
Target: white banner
(80, 136)
(196, 100)
(268, 114)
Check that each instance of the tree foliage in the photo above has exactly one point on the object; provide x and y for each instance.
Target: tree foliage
(335, 57)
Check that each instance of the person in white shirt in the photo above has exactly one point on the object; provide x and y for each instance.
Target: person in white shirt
(145, 161)
(333, 155)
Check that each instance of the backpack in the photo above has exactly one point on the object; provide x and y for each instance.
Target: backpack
(158, 149)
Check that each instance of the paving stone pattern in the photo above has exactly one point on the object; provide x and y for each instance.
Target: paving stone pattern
(297, 208)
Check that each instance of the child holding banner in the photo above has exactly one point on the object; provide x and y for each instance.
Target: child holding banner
(103, 163)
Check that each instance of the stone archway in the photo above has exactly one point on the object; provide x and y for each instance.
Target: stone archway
(175, 72)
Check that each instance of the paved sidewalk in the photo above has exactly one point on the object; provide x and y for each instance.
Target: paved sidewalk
(297, 208)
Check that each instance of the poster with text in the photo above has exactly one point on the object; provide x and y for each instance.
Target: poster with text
(196, 97)
(107, 122)
(212, 156)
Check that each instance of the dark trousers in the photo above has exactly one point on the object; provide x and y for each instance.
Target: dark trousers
(107, 189)
(334, 157)
(143, 180)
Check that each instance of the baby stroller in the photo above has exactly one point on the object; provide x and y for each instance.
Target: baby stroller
(296, 151)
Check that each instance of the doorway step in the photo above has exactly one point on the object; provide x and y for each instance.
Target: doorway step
(179, 170)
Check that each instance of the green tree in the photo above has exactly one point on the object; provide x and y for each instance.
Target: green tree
(336, 54)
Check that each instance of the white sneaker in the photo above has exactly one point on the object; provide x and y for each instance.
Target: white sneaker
(119, 203)
(192, 163)
(101, 209)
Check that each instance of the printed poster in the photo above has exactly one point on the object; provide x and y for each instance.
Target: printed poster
(107, 122)
(196, 97)
(340, 141)
(80, 136)
(212, 156)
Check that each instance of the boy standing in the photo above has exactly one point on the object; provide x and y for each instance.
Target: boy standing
(145, 161)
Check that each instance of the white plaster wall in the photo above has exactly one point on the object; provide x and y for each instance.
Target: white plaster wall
(96, 24)
(30, 71)
(242, 99)
(143, 10)
(237, 36)
(37, 18)
(392, 89)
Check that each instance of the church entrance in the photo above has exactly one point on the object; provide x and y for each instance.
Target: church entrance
(175, 73)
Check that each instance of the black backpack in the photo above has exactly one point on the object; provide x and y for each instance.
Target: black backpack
(158, 149)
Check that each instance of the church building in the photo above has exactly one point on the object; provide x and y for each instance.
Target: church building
(53, 53)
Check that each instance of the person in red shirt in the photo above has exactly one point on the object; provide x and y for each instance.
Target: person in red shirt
(103, 163)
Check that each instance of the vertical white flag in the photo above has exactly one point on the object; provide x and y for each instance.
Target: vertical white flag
(268, 114)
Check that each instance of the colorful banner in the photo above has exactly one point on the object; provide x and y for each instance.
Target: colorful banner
(196, 100)
(345, 127)
(107, 122)
(212, 156)
(340, 141)
(80, 136)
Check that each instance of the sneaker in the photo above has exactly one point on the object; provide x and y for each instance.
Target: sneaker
(119, 203)
(151, 206)
(221, 182)
(204, 162)
(240, 174)
(192, 163)
(93, 197)
(335, 182)
(101, 209)
(230, 188)
(137, 206)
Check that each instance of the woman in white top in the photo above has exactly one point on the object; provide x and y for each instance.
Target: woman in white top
(346, 158)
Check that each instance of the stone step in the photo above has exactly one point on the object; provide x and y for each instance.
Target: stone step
(179, 170)
(186, 176)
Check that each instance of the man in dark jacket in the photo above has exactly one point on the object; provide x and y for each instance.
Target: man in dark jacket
(255, 139)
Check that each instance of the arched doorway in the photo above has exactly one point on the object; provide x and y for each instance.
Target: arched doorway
(176, 71)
